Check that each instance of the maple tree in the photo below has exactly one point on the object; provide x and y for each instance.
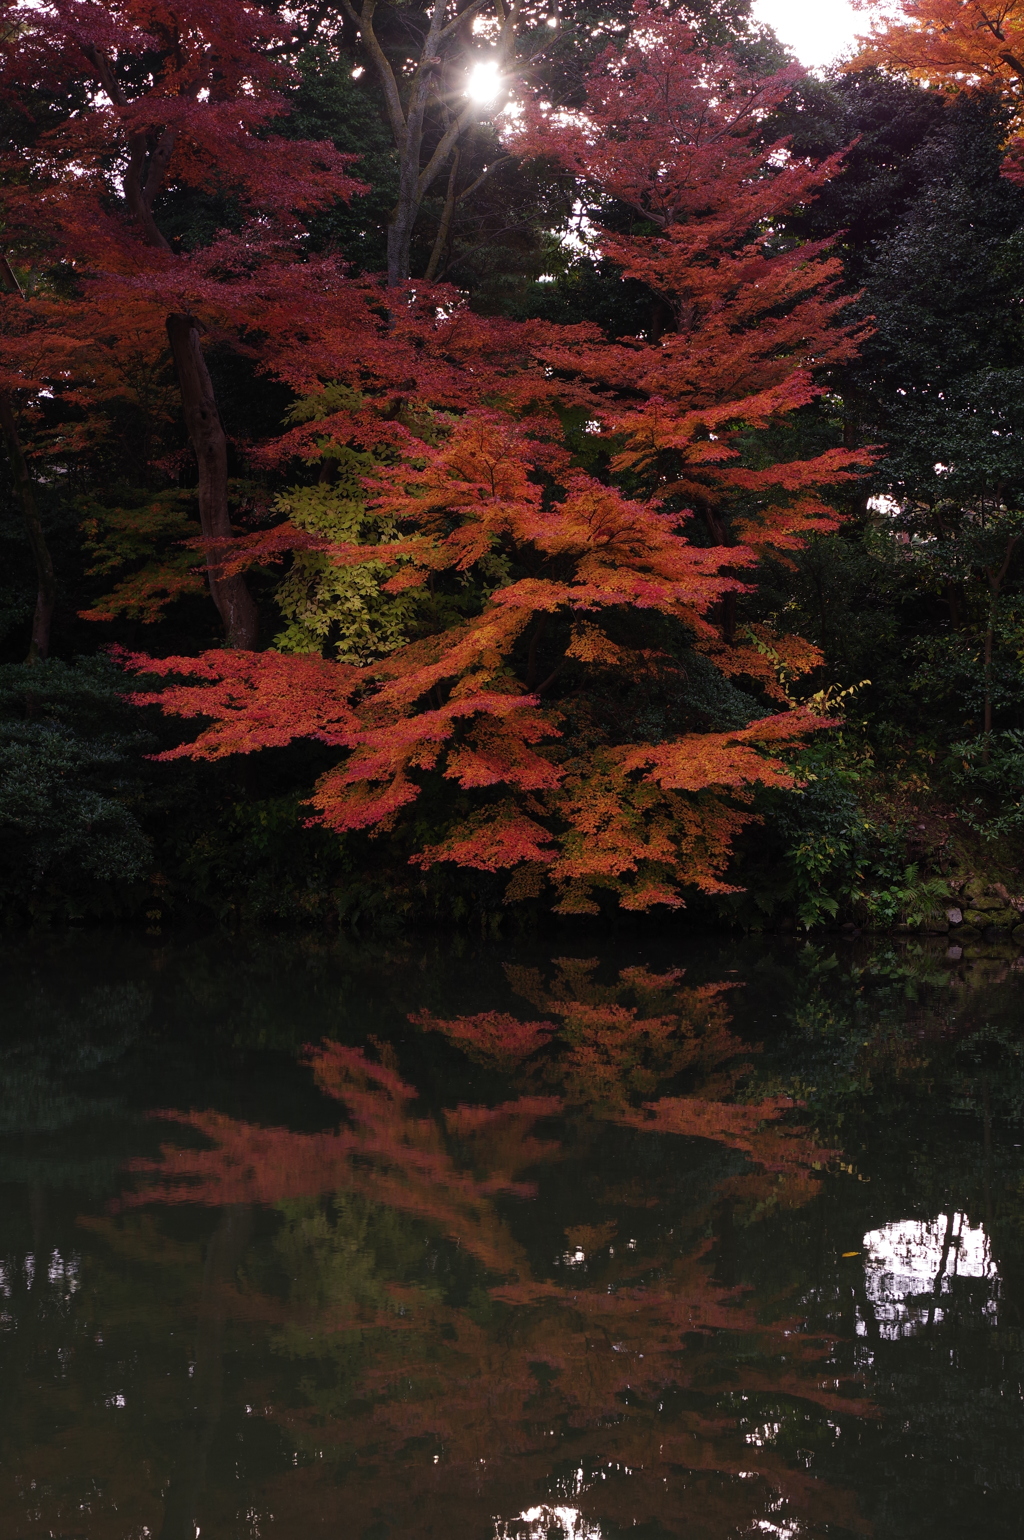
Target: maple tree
(443, 75)
(535, 490)
(954, 45)
(176, 96)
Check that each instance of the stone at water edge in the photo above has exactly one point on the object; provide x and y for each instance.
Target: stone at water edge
(954, 916)
(1000, 919)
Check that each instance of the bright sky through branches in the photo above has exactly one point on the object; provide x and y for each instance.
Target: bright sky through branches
(817, 31)
(484, 81)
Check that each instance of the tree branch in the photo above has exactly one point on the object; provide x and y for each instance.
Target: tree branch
(141, 183)
(444, 148)
(461, 19)
(495, 165)
(364, 21)
(104, 74)
(443, 228)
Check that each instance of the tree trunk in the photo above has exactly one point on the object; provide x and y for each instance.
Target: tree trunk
(955, 606)
(437, 255)
(46, 591)
(403, 222)
(986, 724)
(407, 110)
(206, 431)
(144, 178)
(727, 607)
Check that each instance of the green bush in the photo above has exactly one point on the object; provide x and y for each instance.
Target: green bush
(70, 789)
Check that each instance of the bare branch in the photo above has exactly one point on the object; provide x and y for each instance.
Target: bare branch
(9, 278)
(446, 221)
(495, 165)
(445, 145)
(386, 75)
(461, 18)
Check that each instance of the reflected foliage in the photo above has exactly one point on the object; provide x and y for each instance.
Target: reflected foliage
(521, 1247)
(507, 1335)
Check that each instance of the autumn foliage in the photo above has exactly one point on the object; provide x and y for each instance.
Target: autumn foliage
(957, 47)
(560, 518)
(175, 98)
(954, 45)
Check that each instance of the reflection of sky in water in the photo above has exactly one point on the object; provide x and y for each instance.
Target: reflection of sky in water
(561, 1520)
(543, 1522)
(540, 1522)
(561, 1517)
(912, 1264)
(62, 1273)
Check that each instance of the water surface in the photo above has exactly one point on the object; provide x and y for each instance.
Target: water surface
(659, 1238)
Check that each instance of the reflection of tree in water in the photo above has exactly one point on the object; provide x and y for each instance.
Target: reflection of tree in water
(401, 1295)
(611, 1047)
(521, 1304)
(919, 1072)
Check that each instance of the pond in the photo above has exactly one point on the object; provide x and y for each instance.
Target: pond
(620, 1235)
